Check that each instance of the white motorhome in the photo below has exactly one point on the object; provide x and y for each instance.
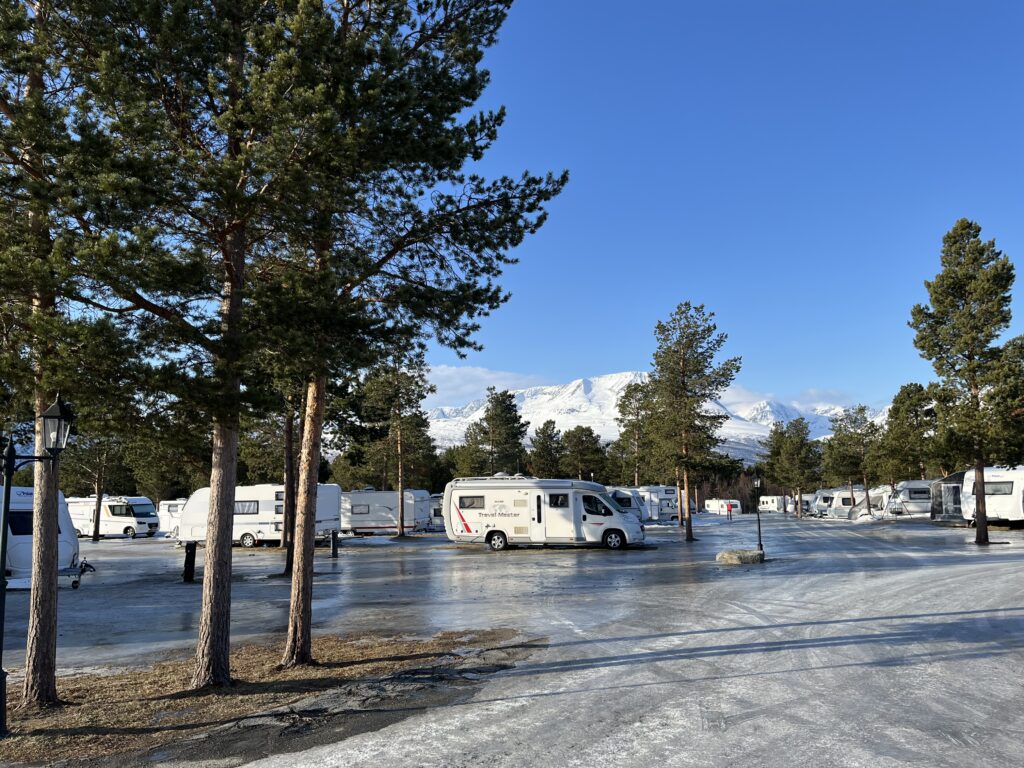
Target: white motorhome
(1004, 495)
(168, 512)
(18, 568)
(259, 514)
(723, 506)
(631, 500)
(128, 516)
(370, 511)
(503, 511)
(774, 504)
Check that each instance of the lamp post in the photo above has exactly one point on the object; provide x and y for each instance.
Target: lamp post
(757, 508)
(57, 422)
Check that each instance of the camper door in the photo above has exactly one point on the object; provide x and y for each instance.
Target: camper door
(560, 518)
(594, 516)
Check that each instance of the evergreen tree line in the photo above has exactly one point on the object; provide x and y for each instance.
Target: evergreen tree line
(228, 230)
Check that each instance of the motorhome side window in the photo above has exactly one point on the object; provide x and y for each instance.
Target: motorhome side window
(247, 507)
(558, 500)
(360, 509)
(471, 502)
(119, 510)
(279, 509)
(278, 495)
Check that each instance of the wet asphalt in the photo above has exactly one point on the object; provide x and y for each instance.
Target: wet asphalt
(855, 644)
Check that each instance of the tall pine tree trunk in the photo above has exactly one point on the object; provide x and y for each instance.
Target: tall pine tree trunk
(289, 560)
(679, 499)
(213, 648)
(298, 646)
(98, 489)
(980, 513)
(799, 502)
(686, 501)
(288, 518)
(40, 687)
(401, 478)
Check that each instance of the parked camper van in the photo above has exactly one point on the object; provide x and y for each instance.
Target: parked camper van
(1004, 495)
(18, 567)
(369, 511)
(631, 501)
(169, 514)
(259, 514)
(510, 510)
(774, 504)
(127, 516)
(723, 506)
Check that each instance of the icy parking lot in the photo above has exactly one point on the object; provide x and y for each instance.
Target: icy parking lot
(862, 645)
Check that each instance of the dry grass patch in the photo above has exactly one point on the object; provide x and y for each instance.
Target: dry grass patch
(137, 709)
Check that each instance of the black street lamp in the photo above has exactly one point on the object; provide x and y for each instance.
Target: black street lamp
(757, 508)
(57, 422)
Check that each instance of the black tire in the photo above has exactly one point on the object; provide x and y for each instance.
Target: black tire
(247, 540)
(150, 534)
(497, 541)
(129, 532)
(614, 540)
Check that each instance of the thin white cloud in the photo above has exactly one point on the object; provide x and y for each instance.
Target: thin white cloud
(459, 384)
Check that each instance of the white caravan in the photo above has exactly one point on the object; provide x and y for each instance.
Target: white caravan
(774, 504)
(821, 502)
(259, 514)
(503, 511)
(369, 511)
(169, 514)
(18, 568)
(1004, 494)
(660, 499)
(843, 504)
(723, 506)
(127, 516)
(631, 501)
(909, 497)
(436, 515)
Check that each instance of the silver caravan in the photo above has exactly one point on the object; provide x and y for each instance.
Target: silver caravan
(503, 511)
(723, 506)
(774, 504)
(910, 497)
(18, 568)
(259, 514)
(370, 511)
(1004, 495)
(127, 516)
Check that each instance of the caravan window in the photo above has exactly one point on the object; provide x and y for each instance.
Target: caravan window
(471, 502)
(119, 510)
(999, 489)
(278, 495)
(558, 500)
(20, 522)
(360, 509)
(279, 509)
(920, 494)
(247, 507)
(846, 501)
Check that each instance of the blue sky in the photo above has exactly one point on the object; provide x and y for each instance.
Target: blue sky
(792, 165)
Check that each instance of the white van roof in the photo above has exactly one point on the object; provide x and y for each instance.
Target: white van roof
(521, 481)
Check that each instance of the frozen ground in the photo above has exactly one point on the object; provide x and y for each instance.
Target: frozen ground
(859, 645)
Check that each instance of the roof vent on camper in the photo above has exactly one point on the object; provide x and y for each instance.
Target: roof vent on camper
(501, 474)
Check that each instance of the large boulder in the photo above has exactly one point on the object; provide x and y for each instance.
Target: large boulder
(740, 556)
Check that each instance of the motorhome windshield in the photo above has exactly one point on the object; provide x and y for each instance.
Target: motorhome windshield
(607, 499)
(143, 510)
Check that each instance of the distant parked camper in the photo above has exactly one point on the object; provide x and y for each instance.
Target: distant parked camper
(843, 504)
(127, 516)
(436, 514)
(910, 497)
(774, 504)
(169, 514)
(723, 506)
(1004, 495)
(503, 511)
(659, 499)
(18, 567)
(631, 500)
(369, 511)
(259, 514)
(822, 501)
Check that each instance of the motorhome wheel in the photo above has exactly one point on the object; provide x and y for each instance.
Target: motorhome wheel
(497, 541)
(129, 532)
(248, 540)
(614, 540)
(74, 584)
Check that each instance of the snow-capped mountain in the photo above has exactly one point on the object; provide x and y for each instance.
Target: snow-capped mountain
(593, 402)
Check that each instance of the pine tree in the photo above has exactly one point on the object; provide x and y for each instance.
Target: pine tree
(495, 442)
(547, 451)
(904, 448)
(634, 419)
(583, 456)
(686, 378)
(958, 330)
(846, 453)
(793, 460)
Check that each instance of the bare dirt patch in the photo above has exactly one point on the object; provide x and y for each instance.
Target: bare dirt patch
(135, 710)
